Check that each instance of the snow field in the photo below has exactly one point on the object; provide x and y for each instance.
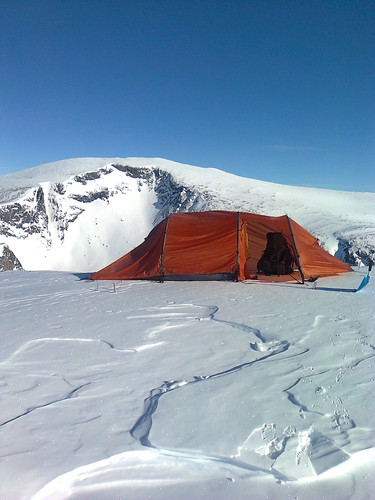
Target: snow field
(185, 390)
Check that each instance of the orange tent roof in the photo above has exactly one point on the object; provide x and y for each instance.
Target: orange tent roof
(219, 245)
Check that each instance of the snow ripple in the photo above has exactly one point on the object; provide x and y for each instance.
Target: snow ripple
(142, 428)
(69, 395)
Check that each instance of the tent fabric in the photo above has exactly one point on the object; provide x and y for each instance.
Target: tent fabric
(220, 245)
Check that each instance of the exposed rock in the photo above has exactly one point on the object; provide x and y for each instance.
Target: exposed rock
(24, 217)
(8, 261)
(90, 176)
(91, 196)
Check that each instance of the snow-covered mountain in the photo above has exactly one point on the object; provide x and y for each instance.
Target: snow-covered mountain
(81, 214)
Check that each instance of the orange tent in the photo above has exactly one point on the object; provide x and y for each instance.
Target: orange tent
(222, 245)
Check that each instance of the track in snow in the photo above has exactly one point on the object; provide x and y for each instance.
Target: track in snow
(142, 427)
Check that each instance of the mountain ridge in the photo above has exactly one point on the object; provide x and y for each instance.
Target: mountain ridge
(74, 166)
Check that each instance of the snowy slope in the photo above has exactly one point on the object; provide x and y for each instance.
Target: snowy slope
(185, 390)
(81, 214)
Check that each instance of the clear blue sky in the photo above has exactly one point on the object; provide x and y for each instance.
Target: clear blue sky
(278, 90)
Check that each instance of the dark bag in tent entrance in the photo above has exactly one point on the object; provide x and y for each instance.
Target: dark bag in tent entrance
(277, 258)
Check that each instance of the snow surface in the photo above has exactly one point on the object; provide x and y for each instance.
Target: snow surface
(200, 390)
(84, 237)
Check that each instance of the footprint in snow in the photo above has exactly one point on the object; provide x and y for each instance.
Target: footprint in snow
(322, 452)
(275, 346)
(276, 444)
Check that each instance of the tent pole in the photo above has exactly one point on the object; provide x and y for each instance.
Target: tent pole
(236, 274)
(296, 249)
(162, 268)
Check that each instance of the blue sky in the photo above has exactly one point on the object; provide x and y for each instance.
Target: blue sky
(279, 90)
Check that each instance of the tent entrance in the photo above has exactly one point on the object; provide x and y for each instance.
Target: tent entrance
(276, 258)
(269, 254)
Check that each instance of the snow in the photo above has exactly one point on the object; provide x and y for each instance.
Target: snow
(186, 390)
(213, 178)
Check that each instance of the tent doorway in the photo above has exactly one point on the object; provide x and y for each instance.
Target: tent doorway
(269, 253)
